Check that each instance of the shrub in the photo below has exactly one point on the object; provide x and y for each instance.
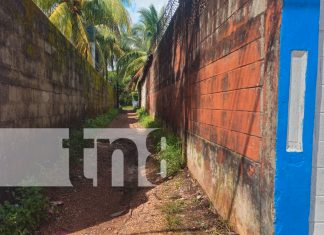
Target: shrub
(24, 214)
(141, 113)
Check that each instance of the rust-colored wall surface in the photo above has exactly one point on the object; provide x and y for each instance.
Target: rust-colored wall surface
(44, 82)
(213, 79)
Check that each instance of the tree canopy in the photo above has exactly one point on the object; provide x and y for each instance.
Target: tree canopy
(131, 64)
(102, 32)
(101, 22)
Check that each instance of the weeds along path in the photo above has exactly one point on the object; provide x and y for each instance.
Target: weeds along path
(175, 206)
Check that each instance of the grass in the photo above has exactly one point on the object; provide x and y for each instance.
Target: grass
(173, 221)
(174, 207)
(146, 120)
(223, 227)
(171, 211)
(172, 153)
(127, 108)
(101, 121)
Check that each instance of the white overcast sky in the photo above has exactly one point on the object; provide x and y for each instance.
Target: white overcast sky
(138, 4)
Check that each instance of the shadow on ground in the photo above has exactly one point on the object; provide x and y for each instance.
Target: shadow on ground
(175, 205)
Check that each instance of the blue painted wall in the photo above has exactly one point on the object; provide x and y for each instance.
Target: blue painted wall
(299, 31)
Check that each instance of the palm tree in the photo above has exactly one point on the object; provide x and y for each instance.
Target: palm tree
(149, 19)
(109, 48)
(132, 63)
(134, 58)
(77, 19)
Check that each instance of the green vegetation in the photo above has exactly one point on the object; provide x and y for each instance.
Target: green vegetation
(24, 214)
(76, 142)
(101, 121)
(135, 96)
(27, 207)
(137, 47)
(174, 207)
(103, 33)
(173, 221)
(128, 108)
(146, 120)
(125, 97)
(171, 211)
(172, 153)
(93, 27)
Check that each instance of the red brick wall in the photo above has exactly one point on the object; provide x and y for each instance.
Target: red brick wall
(214, 80)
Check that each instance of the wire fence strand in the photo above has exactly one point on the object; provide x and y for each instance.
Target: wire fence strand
(197, 6)
(164, 22)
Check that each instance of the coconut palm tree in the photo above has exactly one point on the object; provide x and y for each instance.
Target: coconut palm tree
(109, 48)
(77, 19)
(149, 18)
(134, 58)
(132, 63)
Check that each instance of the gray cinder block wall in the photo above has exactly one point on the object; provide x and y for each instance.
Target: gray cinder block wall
(44, 82)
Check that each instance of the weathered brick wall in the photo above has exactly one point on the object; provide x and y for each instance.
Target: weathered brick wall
(44, 82)
(214, 80)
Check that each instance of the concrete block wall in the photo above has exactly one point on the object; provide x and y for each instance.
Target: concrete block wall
(214, 80)
(44, 82)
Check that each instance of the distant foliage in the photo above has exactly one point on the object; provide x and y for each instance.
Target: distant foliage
(135, 96)
(125, 99)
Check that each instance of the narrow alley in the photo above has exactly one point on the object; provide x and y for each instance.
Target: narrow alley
(162, 117)
(176, 205)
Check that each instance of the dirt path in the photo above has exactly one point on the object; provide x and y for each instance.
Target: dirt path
(127, 119)
(176, 206)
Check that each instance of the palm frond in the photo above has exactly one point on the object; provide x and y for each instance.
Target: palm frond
(47, 6)
(72, 27)
(62, 19)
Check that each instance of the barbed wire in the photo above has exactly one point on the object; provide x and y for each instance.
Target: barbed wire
(164, 22)
(198, 6)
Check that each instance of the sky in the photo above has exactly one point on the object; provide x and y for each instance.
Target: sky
(138, 4)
